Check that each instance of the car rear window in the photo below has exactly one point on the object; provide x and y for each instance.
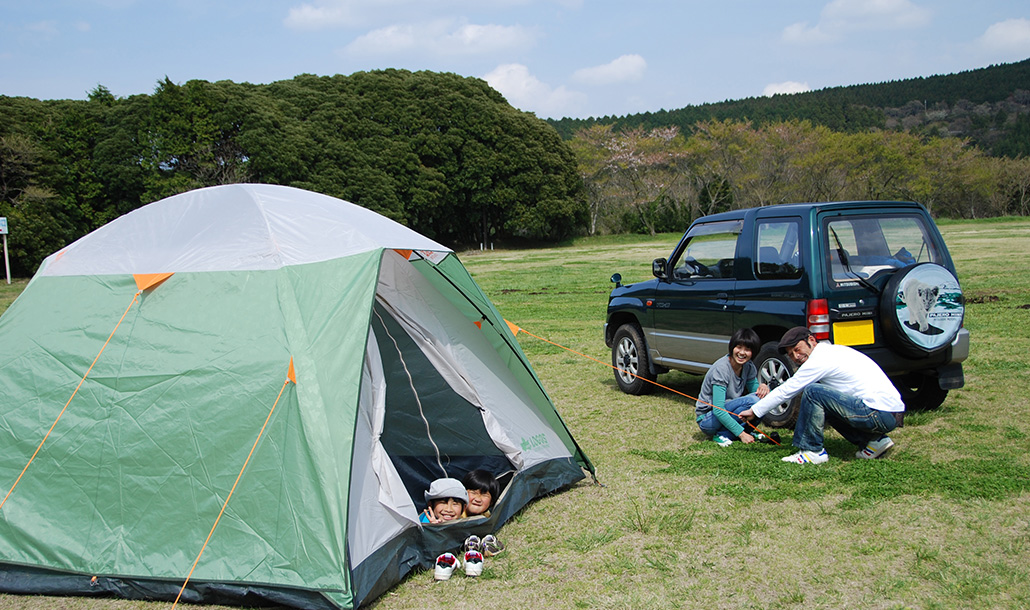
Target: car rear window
(864, 246)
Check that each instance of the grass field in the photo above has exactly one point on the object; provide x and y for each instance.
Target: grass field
(677, 522)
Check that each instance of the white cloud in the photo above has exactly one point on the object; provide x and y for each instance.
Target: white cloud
(443, 38)
(321, 16)
(787, 87)
(800, 33)
(624, 69)
(526, 92)
(1011, 37)
(82, 26)
(840, 17)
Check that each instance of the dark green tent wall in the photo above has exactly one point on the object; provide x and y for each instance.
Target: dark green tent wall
(126, 488)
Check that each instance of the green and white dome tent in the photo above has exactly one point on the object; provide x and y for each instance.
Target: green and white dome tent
(290, 367)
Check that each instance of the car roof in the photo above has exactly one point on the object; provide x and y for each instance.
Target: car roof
(806, 208)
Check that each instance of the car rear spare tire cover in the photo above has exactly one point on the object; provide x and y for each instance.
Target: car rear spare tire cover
(922, 309)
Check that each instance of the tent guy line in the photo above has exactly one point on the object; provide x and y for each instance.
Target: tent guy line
(291, 377)
(135, 298)
(516, 329)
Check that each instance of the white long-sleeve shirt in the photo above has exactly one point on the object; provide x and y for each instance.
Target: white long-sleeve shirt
(844, 369)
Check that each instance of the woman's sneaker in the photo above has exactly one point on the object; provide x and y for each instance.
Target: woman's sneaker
(473, 563)
(445, 565)
(492, 546)
(472, 543)
(722, 440)
(875, 449)
(808, 457)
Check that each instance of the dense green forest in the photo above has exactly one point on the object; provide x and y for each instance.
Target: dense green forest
(444, 154)
(449, 157)
(989, 106)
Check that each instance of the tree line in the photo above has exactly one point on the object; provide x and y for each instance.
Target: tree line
(660, 179)
(443, 154)
(988, 106)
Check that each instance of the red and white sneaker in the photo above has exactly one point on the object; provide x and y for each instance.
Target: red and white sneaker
(473, 563)
(445, 565)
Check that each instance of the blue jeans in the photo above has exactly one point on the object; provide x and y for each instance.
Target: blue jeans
(848, 415)
(711, 425)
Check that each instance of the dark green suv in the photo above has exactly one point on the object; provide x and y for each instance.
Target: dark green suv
(875, 275)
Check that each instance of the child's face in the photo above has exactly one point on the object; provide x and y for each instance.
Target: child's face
(479, 502)
(741, 354)
(447, 509)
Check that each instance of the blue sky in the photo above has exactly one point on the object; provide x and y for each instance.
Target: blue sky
(556, 58)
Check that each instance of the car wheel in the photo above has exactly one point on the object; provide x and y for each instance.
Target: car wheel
(920, 392)
(921, 309)
(631, 362)
(774, 369)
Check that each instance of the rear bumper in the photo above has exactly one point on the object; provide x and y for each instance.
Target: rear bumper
(946, 364)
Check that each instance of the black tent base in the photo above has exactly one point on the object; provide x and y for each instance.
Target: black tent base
(36, 581)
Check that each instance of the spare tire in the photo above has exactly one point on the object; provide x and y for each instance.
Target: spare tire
(921, 310)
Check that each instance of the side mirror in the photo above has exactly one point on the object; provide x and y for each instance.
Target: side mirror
(617, 279)
(658, 268)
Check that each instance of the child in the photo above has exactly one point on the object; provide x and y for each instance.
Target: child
(482, 488)
(731, 385)
(446, 498)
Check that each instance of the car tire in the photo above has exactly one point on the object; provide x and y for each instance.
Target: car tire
(919, 392)
(928, 324)
(773, 369)
(631, 361)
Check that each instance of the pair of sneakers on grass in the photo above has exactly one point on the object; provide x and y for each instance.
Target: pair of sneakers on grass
(474, 551)
(873, 449)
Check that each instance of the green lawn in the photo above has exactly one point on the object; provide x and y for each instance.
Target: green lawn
(677, 522)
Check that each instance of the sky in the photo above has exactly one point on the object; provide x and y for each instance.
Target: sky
(555, 58)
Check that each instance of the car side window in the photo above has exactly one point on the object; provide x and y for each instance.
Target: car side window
(776, 256)
(709, 251)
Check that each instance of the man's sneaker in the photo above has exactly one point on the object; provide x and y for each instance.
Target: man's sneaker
(875, 449)
(771, 438)
(473, 563)
(722, 440)
(492, 546)
(808, 457)
(445, 565)
(472, 543)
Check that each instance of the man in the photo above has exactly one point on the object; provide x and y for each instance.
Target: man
(843, 388)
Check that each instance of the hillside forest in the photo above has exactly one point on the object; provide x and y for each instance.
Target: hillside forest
(449, 157)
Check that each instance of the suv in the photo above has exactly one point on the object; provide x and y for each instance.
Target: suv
(874, 275)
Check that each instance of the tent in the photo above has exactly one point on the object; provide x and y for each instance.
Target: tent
(245, 389)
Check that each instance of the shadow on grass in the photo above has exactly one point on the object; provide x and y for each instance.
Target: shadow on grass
(756, 473)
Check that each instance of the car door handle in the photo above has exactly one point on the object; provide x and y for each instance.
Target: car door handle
(722, 297)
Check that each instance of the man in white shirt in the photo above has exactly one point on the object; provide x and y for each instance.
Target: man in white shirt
(843, 388)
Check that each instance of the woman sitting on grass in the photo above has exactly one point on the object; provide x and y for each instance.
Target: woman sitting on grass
(731, 386)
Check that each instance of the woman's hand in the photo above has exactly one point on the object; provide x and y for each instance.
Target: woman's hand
(762, 391)
(746, 438)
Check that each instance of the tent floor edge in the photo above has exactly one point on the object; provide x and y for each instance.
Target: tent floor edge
(25, 580)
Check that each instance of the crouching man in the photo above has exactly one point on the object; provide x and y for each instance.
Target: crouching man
(843, 388)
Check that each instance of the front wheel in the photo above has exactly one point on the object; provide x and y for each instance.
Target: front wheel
(774, 369)
(631, 362)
